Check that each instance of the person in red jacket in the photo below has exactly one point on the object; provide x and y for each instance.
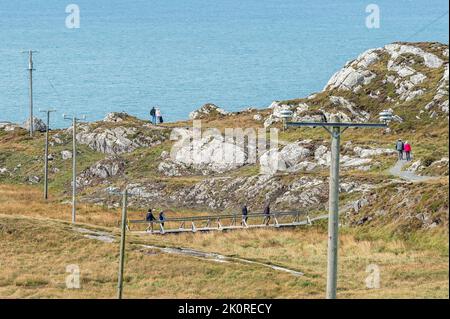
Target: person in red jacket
(407, 149)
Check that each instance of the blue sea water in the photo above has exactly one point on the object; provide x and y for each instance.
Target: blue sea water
(130, 55)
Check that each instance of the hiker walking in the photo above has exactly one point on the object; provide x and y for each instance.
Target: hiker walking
(162, 218)
(150, 218)
(407, 149)
(158, 116)
(267, 214)
(244, 215)
(399, 146)
(153, 115)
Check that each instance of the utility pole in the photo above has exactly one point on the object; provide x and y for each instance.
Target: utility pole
(333, 217)
(46, 152)
(31, 69)
(335, 131)
(74, 163)
(122, 244)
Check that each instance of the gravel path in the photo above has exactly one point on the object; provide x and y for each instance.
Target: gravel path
(110, 238)
(396, 170)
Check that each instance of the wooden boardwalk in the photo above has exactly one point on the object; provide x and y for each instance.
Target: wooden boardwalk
(223, 222)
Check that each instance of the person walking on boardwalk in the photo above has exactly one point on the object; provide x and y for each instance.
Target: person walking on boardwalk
(162, 218)
(399, 146)
(158, 116)
(244, 215)
(150, 218)
(153, 115)
(267, 214)
(407, 149)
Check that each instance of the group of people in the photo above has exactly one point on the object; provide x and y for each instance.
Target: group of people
(150, 217)
(156, 116)
(266, 213)
(403, 149)
(162, 217)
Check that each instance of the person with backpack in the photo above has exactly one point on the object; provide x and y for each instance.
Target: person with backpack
(153, 115)
(399, 146)
(407, 149)
(162, 217)
(244, 215)
(158, 116)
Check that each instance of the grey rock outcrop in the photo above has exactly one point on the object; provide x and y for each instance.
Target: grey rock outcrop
(119, 139)
(206, 111)
(101, 171)
(116, 117)
(210, 154)
(355, 73)
(8, 126)
(38, 124)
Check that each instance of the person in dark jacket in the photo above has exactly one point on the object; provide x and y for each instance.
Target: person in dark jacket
(150, 218)
(162, 217)
(153, 115)
(267, 214)
(244, 215)
(399, 146)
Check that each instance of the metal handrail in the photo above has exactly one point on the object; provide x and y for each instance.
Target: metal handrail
(213, 217)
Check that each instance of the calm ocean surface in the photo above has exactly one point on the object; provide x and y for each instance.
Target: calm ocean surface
(179, 54)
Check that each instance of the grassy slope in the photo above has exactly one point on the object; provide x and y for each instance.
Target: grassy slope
(37, 251)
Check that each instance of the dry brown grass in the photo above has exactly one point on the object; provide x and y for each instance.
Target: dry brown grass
(37, 243)
(22, 200)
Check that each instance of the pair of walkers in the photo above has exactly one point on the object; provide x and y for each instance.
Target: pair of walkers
(266, 214)
(151, 218)
(156, 115)
(403, 149)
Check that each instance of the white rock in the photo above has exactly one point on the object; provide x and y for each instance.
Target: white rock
(414, 166)
(115, 117)
(206, 110)
(417, 78)
(364, 152)
(66, 155)
(257, 117)
(8, 126)
(430, 60)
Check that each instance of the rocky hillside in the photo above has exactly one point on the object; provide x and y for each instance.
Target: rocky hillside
(411, 79)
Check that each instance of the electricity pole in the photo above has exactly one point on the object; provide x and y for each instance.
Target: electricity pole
(333, 213)
(46, 152)
(74, 163)
(122, 244)
(31, 69)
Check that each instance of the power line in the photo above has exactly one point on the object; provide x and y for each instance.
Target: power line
(426, 26)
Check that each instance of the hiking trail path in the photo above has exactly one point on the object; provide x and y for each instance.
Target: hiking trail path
(410, 176)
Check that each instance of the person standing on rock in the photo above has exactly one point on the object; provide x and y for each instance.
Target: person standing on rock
(153, 115)
(267, 214)
(244, 215)
(399, 146)
(407, 149)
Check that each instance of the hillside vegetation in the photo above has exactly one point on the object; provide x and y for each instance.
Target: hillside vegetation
(393, 222)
